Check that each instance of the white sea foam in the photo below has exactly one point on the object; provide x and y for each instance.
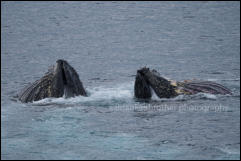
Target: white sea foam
(122, 93)
(186, 97)
(97, 94)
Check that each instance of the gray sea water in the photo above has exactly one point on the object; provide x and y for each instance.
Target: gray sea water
(106, 42)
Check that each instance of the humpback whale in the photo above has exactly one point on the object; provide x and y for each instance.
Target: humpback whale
(164, 88)
(60, 80)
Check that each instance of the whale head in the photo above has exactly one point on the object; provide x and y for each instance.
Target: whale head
(61, 80)
(66, 81)
(147, 79)
(141, 88)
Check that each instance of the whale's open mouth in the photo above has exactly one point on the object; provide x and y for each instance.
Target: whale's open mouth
(62, 70)
(61, 79)
(65, 86)
(71, 85)
(142, 88)
(150, 81)
(66, 91)
(64, 76)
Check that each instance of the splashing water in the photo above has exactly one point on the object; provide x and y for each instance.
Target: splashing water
(101, 95)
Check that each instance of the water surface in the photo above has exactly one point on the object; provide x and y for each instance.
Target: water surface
(106, 42)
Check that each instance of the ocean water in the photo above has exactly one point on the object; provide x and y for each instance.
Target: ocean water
(106, 42)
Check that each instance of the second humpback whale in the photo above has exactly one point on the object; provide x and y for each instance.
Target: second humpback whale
(147, 79)
(60, 80)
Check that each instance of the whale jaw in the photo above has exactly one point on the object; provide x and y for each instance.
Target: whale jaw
(164, 88)
(147, 79)
(66, 81)
(61, 80)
